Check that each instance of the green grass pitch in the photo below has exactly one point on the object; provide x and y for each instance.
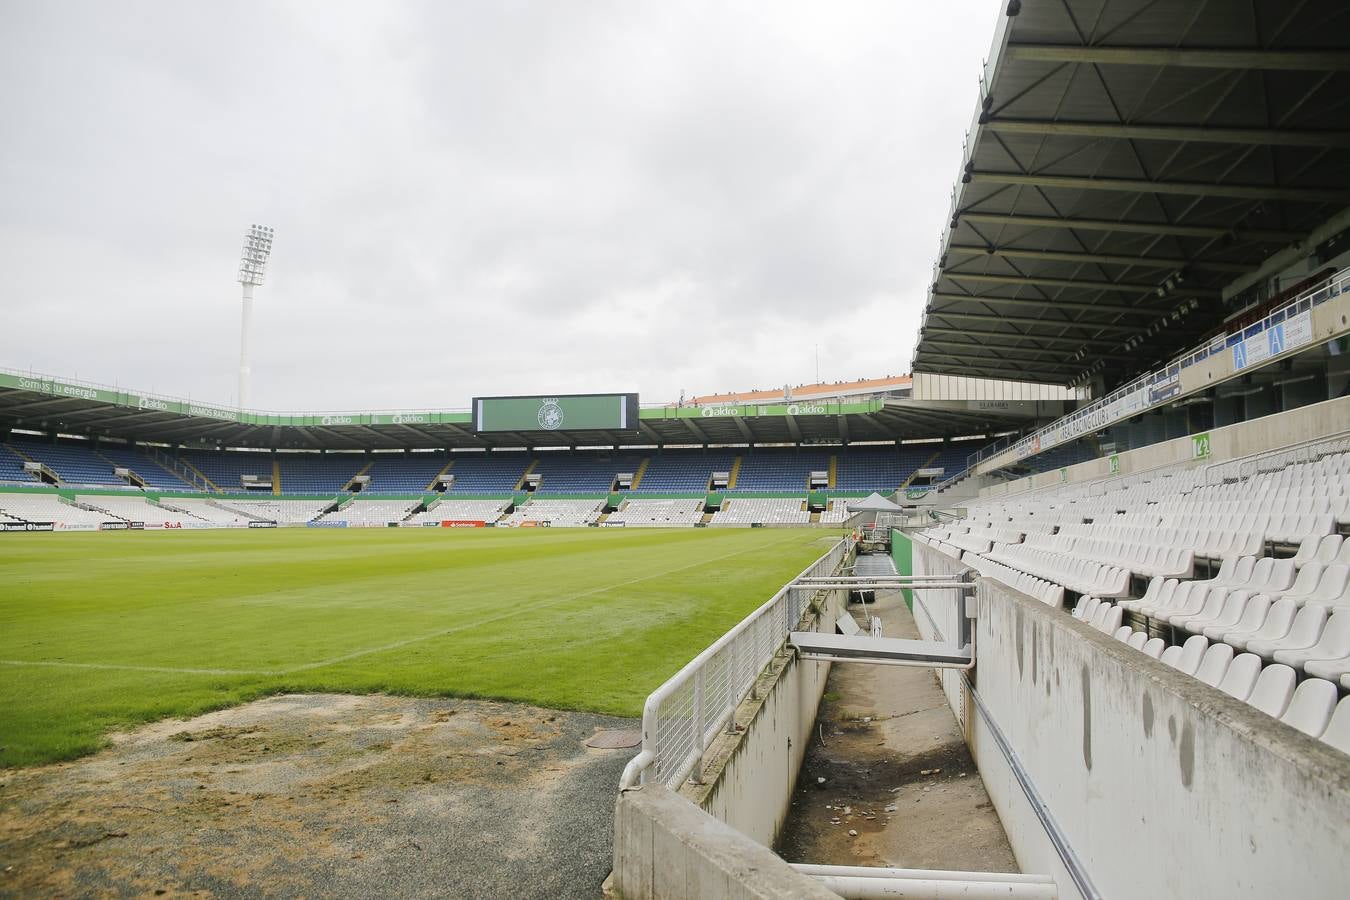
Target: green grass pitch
(102, 631)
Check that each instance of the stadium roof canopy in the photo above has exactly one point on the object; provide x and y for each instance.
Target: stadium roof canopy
(50, 405)
(1133, 168)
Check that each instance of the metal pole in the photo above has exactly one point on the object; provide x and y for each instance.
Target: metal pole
(856, 888)
(246, 325)
(929, 874)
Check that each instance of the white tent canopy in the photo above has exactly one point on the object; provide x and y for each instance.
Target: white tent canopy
(874, 503)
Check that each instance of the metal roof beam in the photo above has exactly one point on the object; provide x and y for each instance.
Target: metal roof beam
(1073, 341)
(1010, 348)
(1042, 304)
(1041, 323)
(1186, 57)
(695, 430)
(1051, 282)
(1146, 186)
(1199, 134)
(1060, 369)
(1153, 228)
(1108, 259)
(1013, 373)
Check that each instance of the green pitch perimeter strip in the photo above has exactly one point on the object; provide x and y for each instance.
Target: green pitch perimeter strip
(104, 631)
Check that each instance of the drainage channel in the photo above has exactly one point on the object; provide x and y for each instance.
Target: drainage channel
(888, 780)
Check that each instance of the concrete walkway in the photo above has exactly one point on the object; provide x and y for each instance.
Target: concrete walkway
(899, 787)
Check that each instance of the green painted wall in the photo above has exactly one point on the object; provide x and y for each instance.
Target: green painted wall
(902, 554)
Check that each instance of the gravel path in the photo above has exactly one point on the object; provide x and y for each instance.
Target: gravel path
(323, 795)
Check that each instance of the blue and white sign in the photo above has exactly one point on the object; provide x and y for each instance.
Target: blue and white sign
(1292, 332)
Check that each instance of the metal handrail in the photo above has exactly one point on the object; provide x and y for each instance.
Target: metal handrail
(1332, 287)
(685, 713)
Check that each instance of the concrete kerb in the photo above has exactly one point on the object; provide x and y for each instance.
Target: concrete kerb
(665, 847)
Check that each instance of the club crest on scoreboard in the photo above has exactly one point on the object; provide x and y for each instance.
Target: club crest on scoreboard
(550, 414)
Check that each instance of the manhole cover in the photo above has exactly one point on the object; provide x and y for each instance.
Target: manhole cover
(614, 740)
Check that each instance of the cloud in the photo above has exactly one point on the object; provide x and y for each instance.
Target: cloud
(477, 198)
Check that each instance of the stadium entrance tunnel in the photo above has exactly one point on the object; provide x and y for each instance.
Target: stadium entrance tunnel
(326, 795)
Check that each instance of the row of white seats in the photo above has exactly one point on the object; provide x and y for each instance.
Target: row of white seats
(1312, 707)
(1147, 559)
(749, 510)
(283, 512)
(658, 513)
(557, 513)
(1306, 624)
(461, 511)
(1045, 591)
(836, 513)
(371, 512)
(1080, 575)
(47, 508)
(205, 511)
(132, 509)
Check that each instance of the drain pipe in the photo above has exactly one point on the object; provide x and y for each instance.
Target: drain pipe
(865, 883)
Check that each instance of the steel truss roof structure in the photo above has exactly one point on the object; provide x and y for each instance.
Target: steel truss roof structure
(1134, 167)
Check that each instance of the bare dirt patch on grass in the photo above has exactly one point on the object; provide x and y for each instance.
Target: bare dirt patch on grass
(323, 794)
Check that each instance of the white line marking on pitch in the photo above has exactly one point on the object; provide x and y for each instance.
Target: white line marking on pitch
(169, 669)
(356, 654)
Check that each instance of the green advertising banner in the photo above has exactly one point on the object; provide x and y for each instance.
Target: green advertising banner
(752, 410)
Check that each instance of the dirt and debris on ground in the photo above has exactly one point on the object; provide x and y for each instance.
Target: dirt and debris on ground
(888, 779)
(323, 795)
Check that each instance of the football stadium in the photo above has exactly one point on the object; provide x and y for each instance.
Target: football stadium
(1062, 612)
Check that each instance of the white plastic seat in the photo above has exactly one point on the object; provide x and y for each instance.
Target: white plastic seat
(1337, 732)
(1191, 653)
(1155, 647)
(1305, 583)
(1304, 632)
(1280, 576)
(1110, 621)
(1330, 669)
(1171, 656)
(1229, 614)
(1171, 597)
(1099, 611)
(1122, 633)
(1240, 677)
(1273, 689)
(1311, 707)
(1333, 643)
(1214, 664)
(1275, 624)
(1193, 604)
(1213, 605)
(1137, 639)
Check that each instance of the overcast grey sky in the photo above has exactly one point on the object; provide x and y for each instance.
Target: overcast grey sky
(477, 198)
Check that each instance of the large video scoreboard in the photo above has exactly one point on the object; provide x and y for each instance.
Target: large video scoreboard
(557, 412)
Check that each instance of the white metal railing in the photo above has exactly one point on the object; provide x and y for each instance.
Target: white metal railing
(1094, 415)
(1246, 467)
(683, 715)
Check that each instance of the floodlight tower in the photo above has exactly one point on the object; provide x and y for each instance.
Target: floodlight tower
(252, 262)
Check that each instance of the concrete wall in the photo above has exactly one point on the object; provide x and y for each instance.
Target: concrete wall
(1230, 442)
(749, 777)
(667, 848)
(1162, 786)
